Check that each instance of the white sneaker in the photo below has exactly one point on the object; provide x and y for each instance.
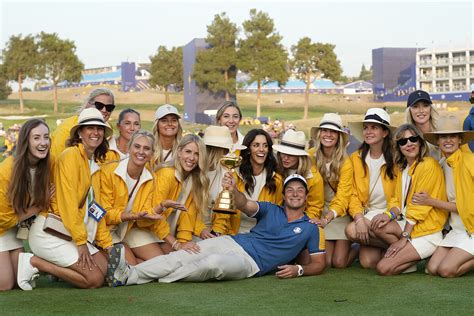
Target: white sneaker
(117, 268)
(410, 269)
(26, 274)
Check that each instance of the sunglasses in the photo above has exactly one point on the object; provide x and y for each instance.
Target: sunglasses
(108, 107)
(404, 141)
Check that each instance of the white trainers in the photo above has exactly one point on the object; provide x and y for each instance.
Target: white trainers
(411, 269)
(26, 274)
(117, 268)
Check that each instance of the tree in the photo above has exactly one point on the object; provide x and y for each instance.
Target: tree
(5, 89)
(20, 58)
(215, 67)
(261, 54)
(58, 61)
(311, 60)
(167, 69)
(365, 75)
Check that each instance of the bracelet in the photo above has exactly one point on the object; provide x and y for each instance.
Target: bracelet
(390, 217)
(162, 207)
(393, 214)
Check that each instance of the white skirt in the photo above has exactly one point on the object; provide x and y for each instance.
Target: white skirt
(460, 240)
(137, 237)
(8, 241)
(426, 245)
(58, 251)
(335, 230)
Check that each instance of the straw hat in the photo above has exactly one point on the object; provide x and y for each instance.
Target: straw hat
(219, 136)
(164, 110)
(449, 125)
(292, 143)
(91, 116)
(373, 115)
(333, 122)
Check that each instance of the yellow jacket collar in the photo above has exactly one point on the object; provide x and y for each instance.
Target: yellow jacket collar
(121, 171)
(454, 157)
(94, 167)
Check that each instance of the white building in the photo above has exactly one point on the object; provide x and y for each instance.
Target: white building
(445, 70)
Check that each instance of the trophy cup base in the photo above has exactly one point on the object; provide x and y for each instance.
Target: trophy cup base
(224, 211)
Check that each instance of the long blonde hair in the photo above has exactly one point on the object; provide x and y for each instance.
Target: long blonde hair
(337, 158)
(200, 181)
(303, 169)
(214, 154)
(157, 160)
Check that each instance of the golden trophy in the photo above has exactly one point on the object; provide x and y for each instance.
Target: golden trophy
(225, 200)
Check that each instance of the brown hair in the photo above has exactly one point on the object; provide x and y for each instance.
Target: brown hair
(20, 192)
(99, 152)
(399, 158)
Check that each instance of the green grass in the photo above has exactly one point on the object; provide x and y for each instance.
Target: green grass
(348, 291)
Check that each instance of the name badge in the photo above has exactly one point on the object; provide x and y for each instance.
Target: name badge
(96, 211)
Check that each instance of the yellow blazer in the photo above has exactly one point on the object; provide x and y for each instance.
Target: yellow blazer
(114, 197)
(315, 198)
(426, 176)
(73, 180)
(168, 188)
(463, 173)
(360, 191)
(60, 135)
(8, 217)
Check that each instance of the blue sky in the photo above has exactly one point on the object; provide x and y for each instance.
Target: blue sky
(108, 32)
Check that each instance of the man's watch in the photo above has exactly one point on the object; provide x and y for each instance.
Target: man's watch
(406, 235)
(300, 270)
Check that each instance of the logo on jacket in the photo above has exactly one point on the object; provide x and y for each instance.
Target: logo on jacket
(297, 230)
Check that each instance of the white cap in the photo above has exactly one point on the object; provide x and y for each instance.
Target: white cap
(295, 177)
(164, 110)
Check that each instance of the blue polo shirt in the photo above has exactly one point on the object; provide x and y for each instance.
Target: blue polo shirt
(274, 241)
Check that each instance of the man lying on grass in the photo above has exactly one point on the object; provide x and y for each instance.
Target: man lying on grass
(282, 236)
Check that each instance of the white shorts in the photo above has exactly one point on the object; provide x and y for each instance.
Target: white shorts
(8, 241)
(335, 230)
(426, 245)
(459, 239)
(58, 251)
(137, 237)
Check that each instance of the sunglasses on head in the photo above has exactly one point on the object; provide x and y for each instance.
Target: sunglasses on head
(404, 141)
(108, 107)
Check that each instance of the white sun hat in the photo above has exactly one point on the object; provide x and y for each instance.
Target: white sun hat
(449, 125)
(91, 116)
(373, 115)
(292, 143)
(219, 136)
(333, 122)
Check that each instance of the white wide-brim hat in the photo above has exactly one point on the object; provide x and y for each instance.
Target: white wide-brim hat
(448, 125)
(219, 136)
(91, 116)
(333, 122)
(292, 143)
(164, 110)
(373, 115)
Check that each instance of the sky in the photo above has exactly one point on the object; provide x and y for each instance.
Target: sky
(107, 32)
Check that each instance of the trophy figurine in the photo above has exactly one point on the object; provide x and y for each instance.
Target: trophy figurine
(225, 200)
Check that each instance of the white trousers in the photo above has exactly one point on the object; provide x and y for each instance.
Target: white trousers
(220, 258)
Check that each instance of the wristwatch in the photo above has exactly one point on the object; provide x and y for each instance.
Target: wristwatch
(300, 270)
(406, 235)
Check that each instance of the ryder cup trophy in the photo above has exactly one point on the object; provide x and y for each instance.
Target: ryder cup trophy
(225, 200)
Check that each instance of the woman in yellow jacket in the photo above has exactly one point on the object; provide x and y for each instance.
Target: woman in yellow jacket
(218, 141)
(187, 184)
(330, 158)
(256, 177)
(127, 189)
(128, 123)
(411, 231)
(101, 99)
(24, 191)
(455, 254)
(75, 259)
(374, 182)
(292, 158)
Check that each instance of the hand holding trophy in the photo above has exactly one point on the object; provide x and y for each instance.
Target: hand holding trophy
(225, 200)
